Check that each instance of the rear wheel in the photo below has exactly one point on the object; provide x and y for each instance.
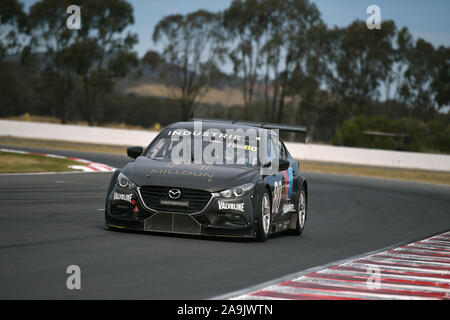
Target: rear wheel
(301, 213)
(264, 218)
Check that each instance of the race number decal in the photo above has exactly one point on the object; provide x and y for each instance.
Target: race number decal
(276, 196)
(288, 176)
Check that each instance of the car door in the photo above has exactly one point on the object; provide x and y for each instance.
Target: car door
(287, 180)
(280, 181)
(292, 176)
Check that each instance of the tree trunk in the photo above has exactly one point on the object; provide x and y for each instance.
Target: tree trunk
(92, 110)
(64, 115)
(281, 106)
(186, 108)
(266, 93)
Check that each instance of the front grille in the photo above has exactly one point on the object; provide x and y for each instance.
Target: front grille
(152, 196)
(172, 222)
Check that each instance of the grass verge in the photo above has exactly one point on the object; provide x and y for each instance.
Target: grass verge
(29, 163)
(65, 145)
(379, 172)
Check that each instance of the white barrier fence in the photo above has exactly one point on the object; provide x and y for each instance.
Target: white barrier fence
(370, 157)
(312, 152)
(51, 131)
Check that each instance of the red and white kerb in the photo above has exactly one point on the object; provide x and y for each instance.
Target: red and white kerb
(85, 165)
(420, 270)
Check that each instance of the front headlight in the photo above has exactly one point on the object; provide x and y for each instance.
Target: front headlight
(124, 182)
(237, 191)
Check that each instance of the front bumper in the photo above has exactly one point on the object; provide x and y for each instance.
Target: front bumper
(126, 209)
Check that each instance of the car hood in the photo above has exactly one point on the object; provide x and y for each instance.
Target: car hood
(145, 171)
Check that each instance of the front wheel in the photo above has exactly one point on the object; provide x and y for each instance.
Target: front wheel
(264, 218)
(301, 214)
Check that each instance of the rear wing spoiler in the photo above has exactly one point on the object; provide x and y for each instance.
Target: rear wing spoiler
(264, 125)
(267, 125)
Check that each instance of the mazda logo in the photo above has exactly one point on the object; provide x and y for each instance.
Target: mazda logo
(174, 194)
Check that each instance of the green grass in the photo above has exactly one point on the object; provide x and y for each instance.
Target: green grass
(65, 145)
(379, 172)
(28, 163)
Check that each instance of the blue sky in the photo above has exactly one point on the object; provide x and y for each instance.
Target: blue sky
(427, 19)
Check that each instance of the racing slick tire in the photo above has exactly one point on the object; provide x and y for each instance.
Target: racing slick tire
(264, 218)
(301, 213)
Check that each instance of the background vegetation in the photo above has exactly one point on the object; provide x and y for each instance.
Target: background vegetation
(350, 86)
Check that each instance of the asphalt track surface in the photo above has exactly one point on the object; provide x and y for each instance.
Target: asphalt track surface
(48, 222)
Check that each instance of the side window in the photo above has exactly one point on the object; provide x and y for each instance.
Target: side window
(274, 148)
(283, 152)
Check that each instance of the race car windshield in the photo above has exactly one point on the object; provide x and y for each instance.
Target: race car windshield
(219, 150)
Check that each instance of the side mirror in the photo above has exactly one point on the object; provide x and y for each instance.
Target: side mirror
(283, 165)
(267, 165)
(134, 152)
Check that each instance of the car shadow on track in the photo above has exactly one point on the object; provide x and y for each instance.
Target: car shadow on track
(196, 237)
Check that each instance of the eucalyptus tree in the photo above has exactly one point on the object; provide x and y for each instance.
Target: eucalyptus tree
(98, 52)
(307, 79)
(192, 49)
(269, 41)
(245, 23)
(404, 43)
(441, 80)
(12, 25)
(104, 49)
(360, 60)
(272, 53)
(303, 63)
(417, 88)
(12, 22)
(422, 74)
(50, 35)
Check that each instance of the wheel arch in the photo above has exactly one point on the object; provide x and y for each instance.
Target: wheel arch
(261, 187)
(112, 181)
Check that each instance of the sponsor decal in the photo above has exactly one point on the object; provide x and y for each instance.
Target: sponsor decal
(288, 208)
(123, 196)
(174, 203)
(181, 132)
(201, 172)
(242, 146)
(276, 196)
(207, 147)
(231, 206)
(288, 176)
(283, 225)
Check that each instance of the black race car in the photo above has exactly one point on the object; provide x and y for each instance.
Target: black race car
(211, 177)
